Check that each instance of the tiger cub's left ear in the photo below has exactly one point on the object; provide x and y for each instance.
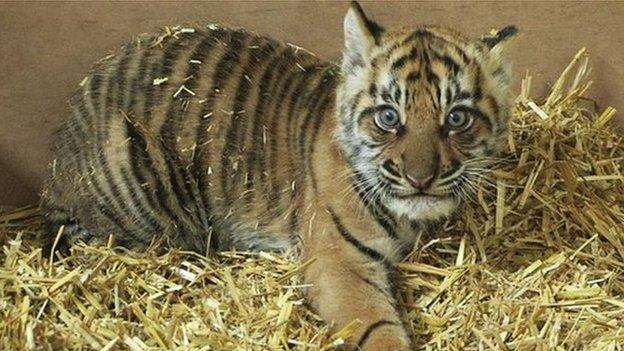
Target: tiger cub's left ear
(497, 62)
(360, 36)
(496, 39)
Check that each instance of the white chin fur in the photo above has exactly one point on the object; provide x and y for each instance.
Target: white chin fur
(422, 207)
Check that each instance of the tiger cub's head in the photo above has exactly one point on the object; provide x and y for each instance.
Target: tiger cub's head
(422, 112)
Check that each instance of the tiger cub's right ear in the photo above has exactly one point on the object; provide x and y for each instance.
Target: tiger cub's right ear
(360, 36)
(494, 39)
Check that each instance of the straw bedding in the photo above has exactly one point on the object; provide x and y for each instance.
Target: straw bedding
(534, 263)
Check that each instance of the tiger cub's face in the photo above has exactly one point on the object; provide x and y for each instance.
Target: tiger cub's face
(422, 113)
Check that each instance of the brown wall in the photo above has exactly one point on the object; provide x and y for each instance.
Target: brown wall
(46, 49)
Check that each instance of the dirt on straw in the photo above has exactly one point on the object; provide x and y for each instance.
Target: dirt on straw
(534, 263)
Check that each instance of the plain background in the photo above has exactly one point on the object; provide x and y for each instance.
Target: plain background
(46, 48)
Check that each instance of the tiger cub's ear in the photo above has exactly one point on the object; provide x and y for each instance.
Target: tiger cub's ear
(494, 39)
(497, 62)
(360, 36)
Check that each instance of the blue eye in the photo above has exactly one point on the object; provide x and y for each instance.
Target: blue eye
(387, 119)
(458, 120)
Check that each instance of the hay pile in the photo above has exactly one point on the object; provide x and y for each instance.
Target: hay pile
(534, 263)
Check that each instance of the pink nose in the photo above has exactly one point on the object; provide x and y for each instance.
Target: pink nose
(421, 182)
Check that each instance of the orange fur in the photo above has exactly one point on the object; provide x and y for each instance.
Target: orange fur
(252, 144)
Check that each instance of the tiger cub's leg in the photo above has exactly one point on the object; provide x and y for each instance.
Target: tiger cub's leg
(60, 223)
(348, 283)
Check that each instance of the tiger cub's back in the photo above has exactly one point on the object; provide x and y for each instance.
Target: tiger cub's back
(191, 130)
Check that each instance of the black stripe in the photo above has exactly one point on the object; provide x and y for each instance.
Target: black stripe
(123, 80)
(101, 117)
(400, 62)
(170, 127)
(501, 74)
(413, 77)
(328, 104)
(162, 69)
(390, 168)
(272, 129)
(234, 135)
(202, 151)
(294, 224)
(255, 157)
(177, 185)
(454, 83)
(384, 219)
(309, 105)
(397, 93)
(295, 98)
(273, 202)
(137, 81)
(463, 95)
(373, 28)
(148, 88)
(91, 96)
(193, 188)
(183, 183)
(222, 72)
(432, 77)
(422, 33)
(137, 150)
(144, 87)
(370, 252)
(374, 285)
(355, 103)
(185, 190)
(377, 210)
(173, 105)
(501, 35)
(280, 90)
(372, 90)
(493, 105)
(139, 154)
(434, 85)
(311, 141)
(386, 96)
(152, 67)
(122, 75)
(94, 93)
(315, 100)
(371, 328)
(98, 195)
(110, 111)
(477, 92)
(417, 34)
(450, 64)
(412, 55)
(154, 225)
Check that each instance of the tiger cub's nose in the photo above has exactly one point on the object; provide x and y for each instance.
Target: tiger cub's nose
(420, 180)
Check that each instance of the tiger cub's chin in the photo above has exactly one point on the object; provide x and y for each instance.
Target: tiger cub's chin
(423, 207)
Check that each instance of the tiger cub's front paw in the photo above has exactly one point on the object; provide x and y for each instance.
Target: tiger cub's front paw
(388, 337)
(386, 345)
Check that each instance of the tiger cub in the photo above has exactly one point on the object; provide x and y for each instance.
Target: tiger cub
(220, 139)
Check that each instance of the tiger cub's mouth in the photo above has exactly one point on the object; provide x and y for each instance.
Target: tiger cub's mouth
(419, 205)
(398, 187)
(424, 195)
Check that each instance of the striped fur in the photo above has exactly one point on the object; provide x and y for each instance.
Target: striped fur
(211, 139)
